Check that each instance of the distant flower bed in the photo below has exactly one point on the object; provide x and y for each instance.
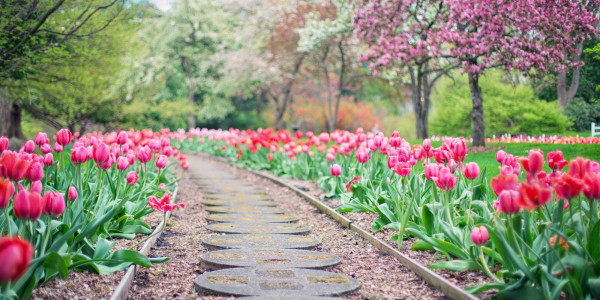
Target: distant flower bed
(556, 139)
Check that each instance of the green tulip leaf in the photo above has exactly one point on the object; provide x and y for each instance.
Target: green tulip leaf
(457, 265)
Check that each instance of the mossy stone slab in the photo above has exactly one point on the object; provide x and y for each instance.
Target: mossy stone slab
(256, 241)
(259, 228)
(269, 258)
(247, 209)
(281, 282)
(251, 218)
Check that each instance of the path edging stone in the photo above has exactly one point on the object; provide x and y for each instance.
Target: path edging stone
(442, 284)
(122, 290)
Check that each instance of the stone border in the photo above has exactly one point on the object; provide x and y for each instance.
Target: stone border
(122, 290)
(449, 289)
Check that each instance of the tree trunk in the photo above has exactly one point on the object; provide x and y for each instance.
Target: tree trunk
(342, 84)
(185, 63)
(10, 116)
(287, 95)
(477, 112)
(563, 94)
(420, 94)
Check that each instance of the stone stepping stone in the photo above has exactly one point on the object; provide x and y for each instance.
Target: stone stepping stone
(290, 297)
(245, 209)
(268, 258)
(264, 228)
(221, 194)
(251, 218)
(253, 241)
(275, 282)
(238, 202)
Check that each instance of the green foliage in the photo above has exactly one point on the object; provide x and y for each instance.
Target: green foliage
(582, 113)
(508, 108)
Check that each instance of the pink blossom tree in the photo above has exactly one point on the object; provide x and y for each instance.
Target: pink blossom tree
(404, 36)
(525, 35)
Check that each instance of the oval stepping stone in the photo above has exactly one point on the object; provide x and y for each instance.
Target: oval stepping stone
(245, 209)
(291, 297)
(269, 258)
(239, 202)
(249, 241)
(275, 282)
(263, 228)
(251, 218)
(222, 195)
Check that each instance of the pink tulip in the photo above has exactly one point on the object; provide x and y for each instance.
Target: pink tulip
(29, 146)
(46, 148)
(63, 137)
(122, 138)
(431, 171)
(161, 162)
(3, 143)
(7, 190)
(509, 202)
(122, 163)
(471, 170)
(48, 159)
(403, 168)
(445, 180)
(58, 147)
(101, 153)
(72, 194)
(144, 154)
(35, 172)
(479, 235)
(36, 187)
(41, 139)
(427, 145)
(336, 170)
(54, 204)
(27, 205)
(500, 155)
(132, 178)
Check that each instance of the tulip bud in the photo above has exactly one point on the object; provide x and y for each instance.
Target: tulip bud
(161, 162)
(122, 138)
(29, 146)
(185, 165)
(72, 193)
(41, 139)
(162, 186)
(3, 143)
(7, 190)
(336, 170)
(122, 163)
(479, 235)
(471, 170)
(48, 159)
(63, 137)
(16, 254)
(54, 204)
(509, 202)
(132, 177)
(58, 147)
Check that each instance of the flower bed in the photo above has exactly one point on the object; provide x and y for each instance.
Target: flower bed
(106, 180)
(532, 232)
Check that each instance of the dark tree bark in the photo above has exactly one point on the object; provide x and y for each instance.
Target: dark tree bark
(285, 98)
(187, 68)
(10, 116)
(421, 97)
(477, 112)
(563, 93)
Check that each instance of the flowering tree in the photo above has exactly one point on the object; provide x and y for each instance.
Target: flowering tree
(522, 35)
(405, 34)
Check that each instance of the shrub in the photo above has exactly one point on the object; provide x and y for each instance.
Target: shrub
(582, 114)
(508, 108)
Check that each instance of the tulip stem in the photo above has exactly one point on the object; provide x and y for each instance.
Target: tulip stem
(8, 220)
(46, 237)
(486, 269)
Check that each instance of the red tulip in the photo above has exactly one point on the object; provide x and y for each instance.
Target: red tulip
(7, 190)
(63, 137)
(336, 170)
(27, 205)
(299, 134)
(41, 139)
(471, 170)
(568, 187)
(15, 254)
(504, 182)
(556, 160)
(534, 162)
(132, 178)
(531, 196)
(53, 204)
(72, 194)
(161, 162)
(185, 165)
(164, 204)
(591, 186)
(479, 235)
(3, 143)
(12, 166)
(355, 179)
(509, 202)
